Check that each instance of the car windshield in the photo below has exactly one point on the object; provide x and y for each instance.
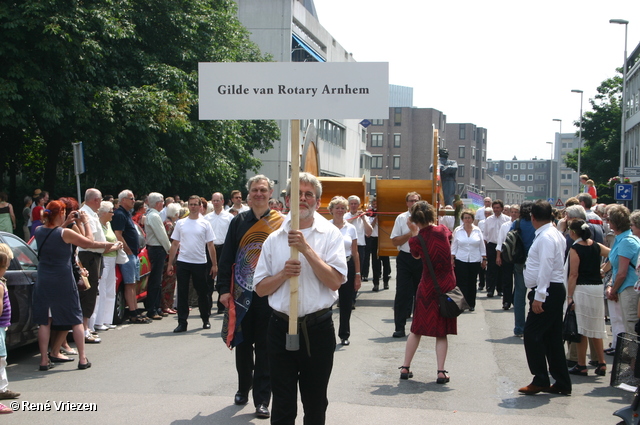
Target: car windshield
(21, 252)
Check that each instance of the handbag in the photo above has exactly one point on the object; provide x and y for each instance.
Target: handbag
(570, 326)
(452, 303)
(122, 258)
(83, 281)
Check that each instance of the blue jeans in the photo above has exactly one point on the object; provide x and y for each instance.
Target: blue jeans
(519, 298)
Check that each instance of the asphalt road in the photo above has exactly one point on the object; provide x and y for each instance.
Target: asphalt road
(147, 374)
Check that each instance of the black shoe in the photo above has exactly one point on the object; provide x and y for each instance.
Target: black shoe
(399, 334)
(241, 399)
(376, 288)
(365, 279)
(506, 306)
(345, 342)
(262, 411)
(499, 293)
(571, 363)
(489, 294)
(87, 365)
(59, 359)
(472, 309)
(180, 328)
(206, 325)
(386, 286)
(45, 367)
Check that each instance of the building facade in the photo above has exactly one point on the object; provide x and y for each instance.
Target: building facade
(566, 179)
(499, 188)
(631, 124)
(533, 176)
(289, 30)
(467, 144)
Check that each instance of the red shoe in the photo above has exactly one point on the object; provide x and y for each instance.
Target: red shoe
(169, 311)
(533, 389)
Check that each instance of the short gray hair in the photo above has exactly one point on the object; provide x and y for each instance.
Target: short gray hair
(309, 179)
(173, 209)
(258, 178)
(124, 194)
(354, 197)
(154, 198)
(91, 194)
(105, 206)
(576, 211)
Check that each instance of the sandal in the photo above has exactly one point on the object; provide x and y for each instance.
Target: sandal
(406, 375)
(69, 352)
(139, 319)
(442, 380)
(601, 370)
(5, 409)
(579, 370)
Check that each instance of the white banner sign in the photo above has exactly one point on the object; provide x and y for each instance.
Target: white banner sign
(293, 90)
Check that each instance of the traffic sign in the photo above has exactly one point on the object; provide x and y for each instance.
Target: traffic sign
(623, 192)
(550, 200)
(559, 203)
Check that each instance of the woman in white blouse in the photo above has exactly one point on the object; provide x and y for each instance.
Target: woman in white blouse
(338, 207)
(468, 256)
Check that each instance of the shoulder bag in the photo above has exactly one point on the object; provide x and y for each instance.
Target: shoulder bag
(452, 303)
(570, 326)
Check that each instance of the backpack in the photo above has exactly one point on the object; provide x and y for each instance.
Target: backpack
(513, 246)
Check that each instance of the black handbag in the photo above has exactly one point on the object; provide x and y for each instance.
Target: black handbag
(570, 326)
(452, 303)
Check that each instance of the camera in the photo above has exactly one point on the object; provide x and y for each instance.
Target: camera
(75, 214)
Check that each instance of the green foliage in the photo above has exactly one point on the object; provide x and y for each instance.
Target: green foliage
(601, 137)
(121, 76)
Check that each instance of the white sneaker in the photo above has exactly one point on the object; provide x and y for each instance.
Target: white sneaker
(110, 326)
(101, 328)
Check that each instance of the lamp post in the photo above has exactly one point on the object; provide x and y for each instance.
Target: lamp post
(559, 156)
(624, 93)
(579, 138)
(551, 171)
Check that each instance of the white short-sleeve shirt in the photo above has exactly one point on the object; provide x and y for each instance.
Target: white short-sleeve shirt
(193, 236)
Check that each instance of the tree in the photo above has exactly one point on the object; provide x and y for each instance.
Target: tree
(600, 157)
(121, 76)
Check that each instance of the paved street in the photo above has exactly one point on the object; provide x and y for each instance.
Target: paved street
(145, 373)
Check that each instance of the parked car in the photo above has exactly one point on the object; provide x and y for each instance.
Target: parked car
(21, 276)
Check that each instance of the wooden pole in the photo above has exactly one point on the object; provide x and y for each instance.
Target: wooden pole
(293, 339)
(436, 170)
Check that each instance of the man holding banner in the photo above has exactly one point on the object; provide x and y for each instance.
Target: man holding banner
(247, 314)
(321, 269)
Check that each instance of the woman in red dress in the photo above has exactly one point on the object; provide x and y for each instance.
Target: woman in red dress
(427, 319)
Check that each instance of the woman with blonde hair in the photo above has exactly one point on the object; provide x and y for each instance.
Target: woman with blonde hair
(468, 256)
(338, 207)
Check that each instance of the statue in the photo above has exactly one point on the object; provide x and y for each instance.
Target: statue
(448, 172)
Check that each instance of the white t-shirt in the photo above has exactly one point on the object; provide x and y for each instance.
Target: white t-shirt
(325, 239)
(400, 227)
(358, 224)
(193, 236)
(96, 229)
(220, 225)
(348, 234)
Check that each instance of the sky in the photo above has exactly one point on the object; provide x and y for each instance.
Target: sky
(507, 66)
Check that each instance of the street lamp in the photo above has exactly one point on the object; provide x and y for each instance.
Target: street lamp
(551, 171)
(579, 138)
(624, 93)
(559, 154)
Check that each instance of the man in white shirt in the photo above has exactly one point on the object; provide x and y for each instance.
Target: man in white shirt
(363, 229)
(381, 266)
(507, 268)
(408, 269)
(482, 275)
(480, 213)
(91, 259)
(544, 275)
(491, 232)
(192, 235)
(219, 220)
(321, 269)
(158, 245)
(238, 206)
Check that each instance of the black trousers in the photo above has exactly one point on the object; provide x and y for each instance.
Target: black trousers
(494, 279)
(252, 363)
(466, 276)
(543, 340)
(157, 257)
(408, 274)
(91, 261)
(506, 275)
(482, 277)
(198, 275)
(293, 369)
(346, 295)
(379, 264)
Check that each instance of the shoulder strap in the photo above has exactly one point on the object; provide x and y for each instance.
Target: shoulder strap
(45, 239)
(428, 258)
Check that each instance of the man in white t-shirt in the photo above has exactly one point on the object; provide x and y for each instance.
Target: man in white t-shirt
(192, 235)
(219, 220)
(480, 213)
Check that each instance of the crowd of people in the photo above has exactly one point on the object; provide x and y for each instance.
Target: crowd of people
(234, 257)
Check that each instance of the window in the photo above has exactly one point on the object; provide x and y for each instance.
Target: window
(460, 170)
(396, 162)
(514, 178)
(376, 162)
(372, 184)
(473, 172)
(523, 177)
(508, 177)
(507, 166)
(483, 171)
(515, 166)
(530, 189)
(377, 122)
(541, 177)
(460, 151)
(396, 140)
(376, 140)
(564, 145)
(365, 162)
(541, 187)
(530, 177)
(565, 191)
(462, 132)
(397, 117)
(332, 133)
(523, 188)
(473, 152)
(531, 166)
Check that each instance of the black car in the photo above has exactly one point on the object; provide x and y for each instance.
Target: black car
(21, 276)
